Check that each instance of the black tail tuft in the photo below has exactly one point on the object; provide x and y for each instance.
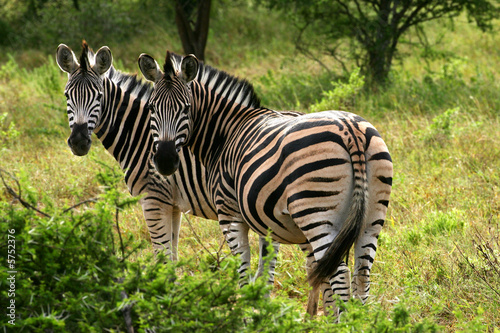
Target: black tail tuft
(328, 264)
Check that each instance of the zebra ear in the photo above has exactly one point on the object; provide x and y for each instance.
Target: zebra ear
(66, 59)
(103, 60)
(149, 67)
(189, 68)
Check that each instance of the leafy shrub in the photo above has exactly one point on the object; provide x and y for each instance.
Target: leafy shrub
(343, 95)
(443, 123)
(8, 131)
(66, 264)
(73, 275)
(99, 22)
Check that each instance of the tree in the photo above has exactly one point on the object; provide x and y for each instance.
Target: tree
(193, 34)
(369, 30)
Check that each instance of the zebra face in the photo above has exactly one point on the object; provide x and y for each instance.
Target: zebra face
(170, 107)
(84, 92)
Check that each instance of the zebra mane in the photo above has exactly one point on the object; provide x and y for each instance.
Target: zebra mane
(87, 57)
(226, 85)
(130, 82)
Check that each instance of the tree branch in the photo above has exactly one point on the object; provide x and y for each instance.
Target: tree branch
(17, 195)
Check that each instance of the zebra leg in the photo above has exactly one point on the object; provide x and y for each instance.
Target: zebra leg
(365, 247)
(271, 263)
(236, 235)
(176, 228)
(379, 175)
(313, 298)
(159, 221)
(364, 252)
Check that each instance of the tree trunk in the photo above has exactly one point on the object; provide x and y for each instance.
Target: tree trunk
(193, 38)
(379, 66)
(381, 46)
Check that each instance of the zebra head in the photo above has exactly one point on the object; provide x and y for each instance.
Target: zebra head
(83, 92)
(170, 107)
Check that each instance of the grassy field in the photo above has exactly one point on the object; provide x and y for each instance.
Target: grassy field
(439, 251)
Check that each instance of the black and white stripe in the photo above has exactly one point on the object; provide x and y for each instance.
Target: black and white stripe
(320, 180)
(113, 105)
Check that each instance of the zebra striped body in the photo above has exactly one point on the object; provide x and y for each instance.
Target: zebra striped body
(113, 106)
(320, 180)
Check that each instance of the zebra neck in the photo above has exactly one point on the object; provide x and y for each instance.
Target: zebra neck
(218, 120)
(124, 130)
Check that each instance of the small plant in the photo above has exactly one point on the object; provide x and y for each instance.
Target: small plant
(8, 132)
(445, 122)
(444, 223)
(343, 95)
(442, 128)
(485, 262)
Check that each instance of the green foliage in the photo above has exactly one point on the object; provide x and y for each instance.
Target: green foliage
(66, 266)
(343, 95)
(443, 123)
(368, 32)
(53, 22)
(290, 91)
(33, 98)
(357, 318)
(439, 223)
(71, 277)
(8, 132)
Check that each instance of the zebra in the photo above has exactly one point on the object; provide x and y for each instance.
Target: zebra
(321, 180)
(113, 105)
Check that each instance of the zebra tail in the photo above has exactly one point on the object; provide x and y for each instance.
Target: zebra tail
(350, 231)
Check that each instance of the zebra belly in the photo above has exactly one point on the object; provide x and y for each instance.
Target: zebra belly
(281, 229)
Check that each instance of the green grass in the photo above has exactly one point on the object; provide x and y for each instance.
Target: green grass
(440, 120)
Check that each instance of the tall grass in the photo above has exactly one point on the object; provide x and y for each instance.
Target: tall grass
(440, 120)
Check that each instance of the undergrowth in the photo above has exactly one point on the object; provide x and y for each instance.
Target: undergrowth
(70, 270)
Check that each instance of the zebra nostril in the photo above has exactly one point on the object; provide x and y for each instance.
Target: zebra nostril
(166, 159)
(79, 141)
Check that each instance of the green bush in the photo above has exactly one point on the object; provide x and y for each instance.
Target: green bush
(8, 131)
(56, 22)
(343, 95)
(73, 274)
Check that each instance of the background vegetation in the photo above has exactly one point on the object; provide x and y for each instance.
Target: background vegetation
(437, 262)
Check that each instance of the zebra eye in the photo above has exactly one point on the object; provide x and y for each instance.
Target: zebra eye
(99, 96)
(66, 94)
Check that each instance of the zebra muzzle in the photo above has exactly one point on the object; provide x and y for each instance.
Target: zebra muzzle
(79, 141)
(166, 158)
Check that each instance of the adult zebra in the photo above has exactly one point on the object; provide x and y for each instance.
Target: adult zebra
(112, 104)
(320, 180)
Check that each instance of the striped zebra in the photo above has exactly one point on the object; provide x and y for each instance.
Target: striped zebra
(112, 104)
(320, 180)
